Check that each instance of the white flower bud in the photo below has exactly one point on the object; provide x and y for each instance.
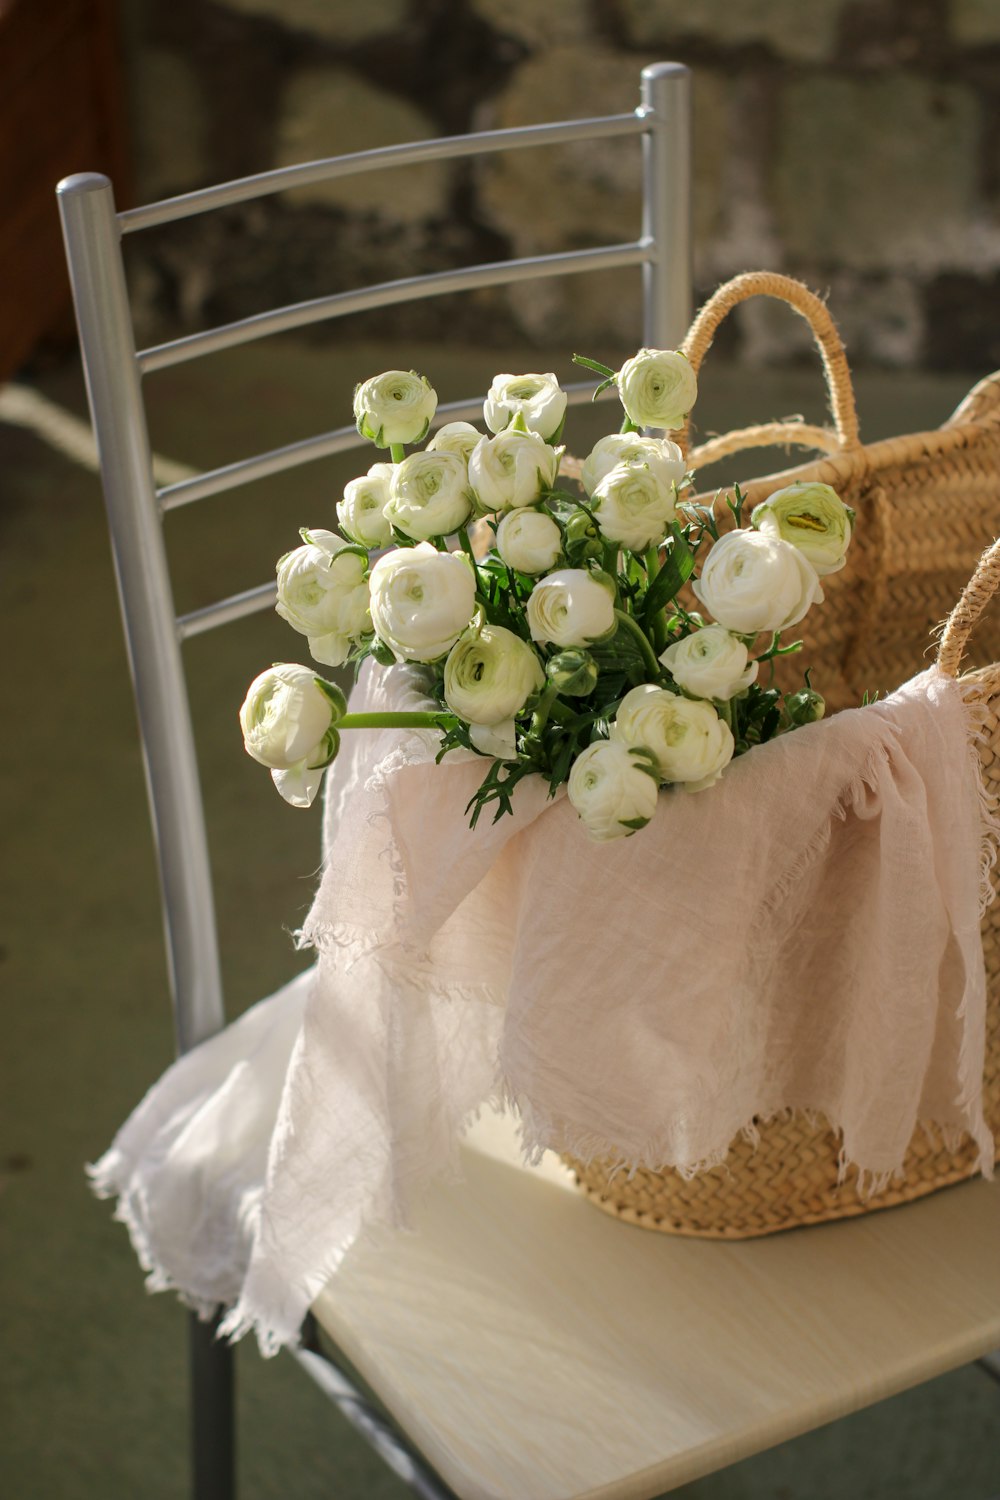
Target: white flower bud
(323, 594)
(421, 601)
(529, 540)
(814, 519)
(455, 437)
(634, 507)
(612, 790)
(288, 723)
(537, 398)
(429, 495)
(511, 470)
(361, 512)
(395, 407)
(710, 663)
(689, 741)
(660, 455)
(570, 608)
(754, 581)
(658, 388)
(490, 674)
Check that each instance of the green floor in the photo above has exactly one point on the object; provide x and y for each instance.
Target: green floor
(93, 1381)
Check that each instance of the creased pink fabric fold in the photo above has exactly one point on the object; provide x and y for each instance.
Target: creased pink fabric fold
(803, 935)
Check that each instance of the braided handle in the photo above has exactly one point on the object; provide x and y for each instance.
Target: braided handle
(975, 596)
(787, 434)
(816, 314)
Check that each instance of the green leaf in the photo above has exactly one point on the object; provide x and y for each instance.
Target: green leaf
(619, 653)
(672, 576)
(497, 786)
(646, 761)
(332, 693)
(455, 738)
(595, 365)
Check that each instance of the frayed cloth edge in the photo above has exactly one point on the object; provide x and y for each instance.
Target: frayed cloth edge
(106, 1182)
(245, 1312)
(539, 1134)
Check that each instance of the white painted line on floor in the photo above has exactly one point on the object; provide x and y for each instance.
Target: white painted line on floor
(24, 407)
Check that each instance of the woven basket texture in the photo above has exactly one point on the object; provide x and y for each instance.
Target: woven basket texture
(927, 505)
(790, 1177)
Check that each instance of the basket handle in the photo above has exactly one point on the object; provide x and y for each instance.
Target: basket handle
(975, 596)
(835, 367)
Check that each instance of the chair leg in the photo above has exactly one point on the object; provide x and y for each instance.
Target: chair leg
(212, 1420)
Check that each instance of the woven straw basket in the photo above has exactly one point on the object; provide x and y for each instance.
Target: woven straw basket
(927, 505)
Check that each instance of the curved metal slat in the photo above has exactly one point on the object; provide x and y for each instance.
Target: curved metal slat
(388, 294)
(444, 148)
(235, 607)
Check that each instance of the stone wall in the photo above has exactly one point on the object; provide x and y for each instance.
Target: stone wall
(855, 143)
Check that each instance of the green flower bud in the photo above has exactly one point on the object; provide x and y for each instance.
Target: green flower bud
(382, 653)
(574, 672)
(804, 707)
(582, 541)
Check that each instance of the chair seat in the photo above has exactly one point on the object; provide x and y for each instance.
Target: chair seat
(536, 1349)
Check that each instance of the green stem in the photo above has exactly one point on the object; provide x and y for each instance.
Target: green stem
(774, 649)
(629, 426)
(543, 708)
(659, 620)
(649, 655)
(397, 452)
(401, 720)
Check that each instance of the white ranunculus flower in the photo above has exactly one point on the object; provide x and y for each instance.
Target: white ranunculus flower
(538, 398)
(288, 723)
(612, 790)
(711, 663)
(658, 388)
(395, 407)
(429, 495)
(570, 608)
(754, 581)
(511, 470)
(421, 601)
(689, 741)
(498, 740)
(455, 437)
(323, 594)
(490, 674)
(662, 456)
(529, 540)
(634, 507)
(360, 512)
(813, 518)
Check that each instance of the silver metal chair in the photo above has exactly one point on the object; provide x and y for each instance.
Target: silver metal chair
(528, 1347)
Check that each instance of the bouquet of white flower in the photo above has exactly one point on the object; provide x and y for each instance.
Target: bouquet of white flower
(564, 650)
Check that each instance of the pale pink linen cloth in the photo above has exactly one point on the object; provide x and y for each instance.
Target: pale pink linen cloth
(804, 935)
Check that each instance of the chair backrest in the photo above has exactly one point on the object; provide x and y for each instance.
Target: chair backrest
(114, 369)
